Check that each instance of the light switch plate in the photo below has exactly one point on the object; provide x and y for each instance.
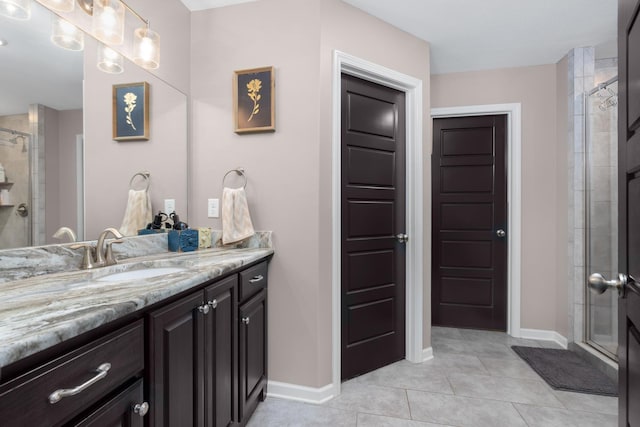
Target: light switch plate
(169, 206)
(213, 208)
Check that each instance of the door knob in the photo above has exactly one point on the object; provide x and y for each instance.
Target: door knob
(599, 285)
(501, 233)
(402, 237)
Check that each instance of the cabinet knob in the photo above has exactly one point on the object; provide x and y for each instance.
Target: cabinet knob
(141, 409)
(204, 308)
(213, 304)
(245, 320)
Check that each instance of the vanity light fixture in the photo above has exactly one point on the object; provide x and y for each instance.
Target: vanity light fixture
(58, 5)
(16, 9)
(109, 60)
(108, 21)
(146, 48)
(66, 35)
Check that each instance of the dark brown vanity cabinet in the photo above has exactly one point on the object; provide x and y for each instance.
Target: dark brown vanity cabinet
(99, 383)
(192, 353)
(200, 360)
(207, 354)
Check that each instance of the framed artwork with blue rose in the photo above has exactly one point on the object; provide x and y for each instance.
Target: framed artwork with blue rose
(131, 112)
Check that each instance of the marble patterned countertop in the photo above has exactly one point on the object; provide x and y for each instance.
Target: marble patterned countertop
(41, 311)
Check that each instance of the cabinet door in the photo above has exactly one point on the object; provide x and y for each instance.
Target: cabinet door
(221, 399)
(253, 353)
(120, 411)
(176, 365)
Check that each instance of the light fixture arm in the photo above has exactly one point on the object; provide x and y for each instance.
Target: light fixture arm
(130, 9)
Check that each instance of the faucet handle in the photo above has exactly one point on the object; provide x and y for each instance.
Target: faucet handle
(110, 260)
(87, 260)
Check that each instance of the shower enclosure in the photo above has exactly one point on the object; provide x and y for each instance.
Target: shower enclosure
(601, 213)
(15, 191)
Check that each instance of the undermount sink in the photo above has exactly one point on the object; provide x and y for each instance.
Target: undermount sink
(145, 273)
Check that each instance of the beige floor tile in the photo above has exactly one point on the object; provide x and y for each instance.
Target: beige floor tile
(372, 399)
(462, 411)
(284, 413)
(368, 420)
(537, 416)
(507, 389)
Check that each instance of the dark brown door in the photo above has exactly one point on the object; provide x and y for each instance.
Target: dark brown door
(469, 246)
(373, 213)
(629, 210)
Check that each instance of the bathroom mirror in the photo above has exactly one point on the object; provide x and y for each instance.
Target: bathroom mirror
(73, 173)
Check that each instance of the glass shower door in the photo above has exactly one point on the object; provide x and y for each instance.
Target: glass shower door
(601, 216)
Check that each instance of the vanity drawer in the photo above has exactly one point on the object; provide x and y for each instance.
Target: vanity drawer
(252, 280)
(26, 400)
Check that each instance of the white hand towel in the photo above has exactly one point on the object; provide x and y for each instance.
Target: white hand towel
(138, 212)
(236, 221)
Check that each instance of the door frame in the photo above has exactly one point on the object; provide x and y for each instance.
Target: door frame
(412, 87)
(514, 196)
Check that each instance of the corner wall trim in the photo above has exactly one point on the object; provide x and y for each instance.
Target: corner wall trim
(514, 196)
(427, 354)
(300, 393)
(544, 335)
(412, 87)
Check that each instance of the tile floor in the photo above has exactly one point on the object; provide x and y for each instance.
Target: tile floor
(474, 380)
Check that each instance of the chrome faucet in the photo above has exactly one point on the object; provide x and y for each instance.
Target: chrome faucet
(99, 256)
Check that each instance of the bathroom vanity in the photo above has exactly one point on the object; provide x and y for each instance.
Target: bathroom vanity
(170, 340)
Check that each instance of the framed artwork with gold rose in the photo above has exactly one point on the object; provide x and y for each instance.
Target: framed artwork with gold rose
(254, 100)
(131, 112)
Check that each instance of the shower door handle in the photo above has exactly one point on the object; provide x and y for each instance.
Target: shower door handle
(598, 284)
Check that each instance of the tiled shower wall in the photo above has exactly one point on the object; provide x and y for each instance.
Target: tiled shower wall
(14, 229)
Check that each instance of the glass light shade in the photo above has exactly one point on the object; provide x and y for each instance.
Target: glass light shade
(108, 21)
(66, 35)
(146, 48)
(59, 5)
(16, 9)
(109, 60)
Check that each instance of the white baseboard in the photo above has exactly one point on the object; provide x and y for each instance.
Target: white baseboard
(300, 393)
(427, 354)
(543, 335)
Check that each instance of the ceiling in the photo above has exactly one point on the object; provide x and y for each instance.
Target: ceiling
(464, 35)
(470, 35)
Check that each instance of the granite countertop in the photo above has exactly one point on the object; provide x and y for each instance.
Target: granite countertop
(39, 312)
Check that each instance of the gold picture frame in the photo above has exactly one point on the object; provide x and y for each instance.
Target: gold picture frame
(254, 100)
(131, 112)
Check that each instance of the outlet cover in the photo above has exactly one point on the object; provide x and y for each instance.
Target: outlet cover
(169, 206)
(213, 208)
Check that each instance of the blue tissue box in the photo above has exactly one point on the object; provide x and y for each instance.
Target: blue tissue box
(183, 240)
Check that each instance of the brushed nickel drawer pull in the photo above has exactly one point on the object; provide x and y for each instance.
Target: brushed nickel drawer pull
(204, 308)
(246, 320)
(213, 304)
(57, 395)
(256, 279)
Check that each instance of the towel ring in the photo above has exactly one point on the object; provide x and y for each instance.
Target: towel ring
(146, 175)
(240, 172)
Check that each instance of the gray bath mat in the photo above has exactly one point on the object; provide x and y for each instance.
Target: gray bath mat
(565, 370)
